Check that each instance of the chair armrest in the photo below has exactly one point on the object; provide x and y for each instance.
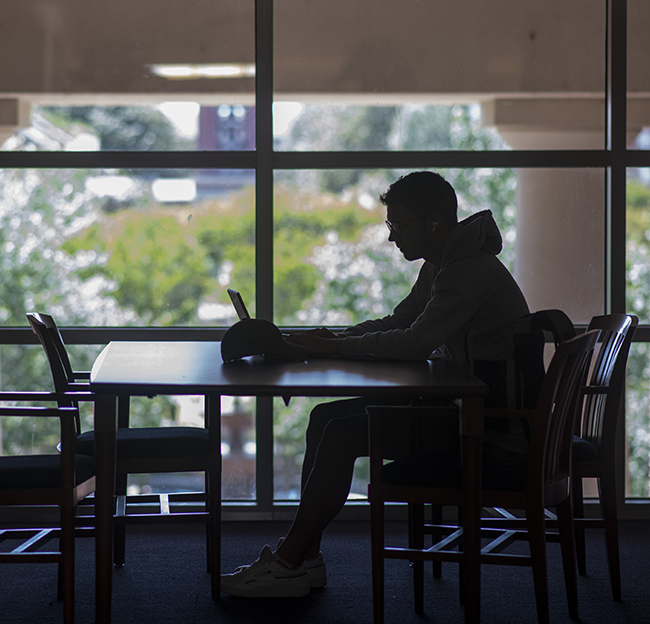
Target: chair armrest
(80, 395)
(36, 411)
(81, 374)
(52, 397)
(82, 387)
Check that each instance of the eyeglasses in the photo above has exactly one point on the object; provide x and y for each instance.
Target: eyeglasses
(395, 228)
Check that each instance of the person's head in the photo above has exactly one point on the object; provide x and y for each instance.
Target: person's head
(422, 209)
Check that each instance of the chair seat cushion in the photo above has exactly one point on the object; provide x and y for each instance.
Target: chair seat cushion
(583, 451)
(40, 471)
(443, 470)
(145, 442)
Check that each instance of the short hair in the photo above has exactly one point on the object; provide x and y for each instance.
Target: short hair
(425, 192)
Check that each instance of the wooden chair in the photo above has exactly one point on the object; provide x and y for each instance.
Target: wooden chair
(593, 449)
(594, 445)
(139, 450)
(59, 479)
(514, 377)
(544, 481)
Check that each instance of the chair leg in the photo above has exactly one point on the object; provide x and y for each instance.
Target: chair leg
(67, 576)
(119, 526)
(377, 550)
(537, 544)
(578, 513)
(213, 504)
(461, 566)
(567, 544)
(436, 518)
(416, 541)
(208, 534)
(608, 502)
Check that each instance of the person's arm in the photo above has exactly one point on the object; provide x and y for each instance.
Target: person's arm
(443, 317)
(406, 312)
(318, 344)
(327, 343)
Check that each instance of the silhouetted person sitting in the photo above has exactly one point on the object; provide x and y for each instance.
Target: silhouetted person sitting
(462, 287)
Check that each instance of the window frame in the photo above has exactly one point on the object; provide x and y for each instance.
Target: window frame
(615, 158)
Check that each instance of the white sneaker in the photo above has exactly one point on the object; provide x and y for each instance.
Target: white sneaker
(316, 571)
(315, 568)
(266, 578)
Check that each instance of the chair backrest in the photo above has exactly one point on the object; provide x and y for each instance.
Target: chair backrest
(555, 322)
(552, 429)
(529, 351)
(604, 392)
(510, 358)
(48, 333)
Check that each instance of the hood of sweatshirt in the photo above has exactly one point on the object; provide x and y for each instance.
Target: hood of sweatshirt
(472, 235)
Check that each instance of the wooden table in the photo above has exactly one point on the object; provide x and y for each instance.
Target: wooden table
(196, 368)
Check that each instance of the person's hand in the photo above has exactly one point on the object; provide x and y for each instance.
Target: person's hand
(326, 346)
(321, 332)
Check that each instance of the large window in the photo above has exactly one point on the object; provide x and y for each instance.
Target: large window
(145, 168)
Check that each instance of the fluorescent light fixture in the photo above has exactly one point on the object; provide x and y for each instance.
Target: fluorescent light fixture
(210, 70)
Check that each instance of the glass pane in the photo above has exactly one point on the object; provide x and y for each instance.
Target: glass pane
(289, 427)
(123, 76)
(388, 84)
(335, 266)
(638, 302)
(637, 412)
(125, 247)
(238, 448)
(638, 244)
(638, 80)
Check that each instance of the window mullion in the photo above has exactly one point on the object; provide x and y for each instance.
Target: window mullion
(264, 233)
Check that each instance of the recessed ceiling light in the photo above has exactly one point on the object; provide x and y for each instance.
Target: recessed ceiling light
(208, 70)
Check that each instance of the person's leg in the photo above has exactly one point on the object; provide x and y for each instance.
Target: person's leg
(287, 571)
(320, 416)
(326, 489)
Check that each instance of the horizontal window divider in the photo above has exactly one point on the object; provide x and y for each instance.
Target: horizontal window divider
(318, 160)
(129, 160)
(459, 159)
(637, 158)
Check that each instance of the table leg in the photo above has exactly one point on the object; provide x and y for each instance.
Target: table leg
(213, 416)
(471, 430)
(105, 428)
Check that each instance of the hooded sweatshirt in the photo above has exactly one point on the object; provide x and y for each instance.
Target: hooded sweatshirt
(470, 291)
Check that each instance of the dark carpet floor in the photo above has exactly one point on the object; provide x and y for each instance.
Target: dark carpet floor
(165, 581)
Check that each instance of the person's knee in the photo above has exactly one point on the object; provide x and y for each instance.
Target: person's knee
(318, 419)
(345, 436)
